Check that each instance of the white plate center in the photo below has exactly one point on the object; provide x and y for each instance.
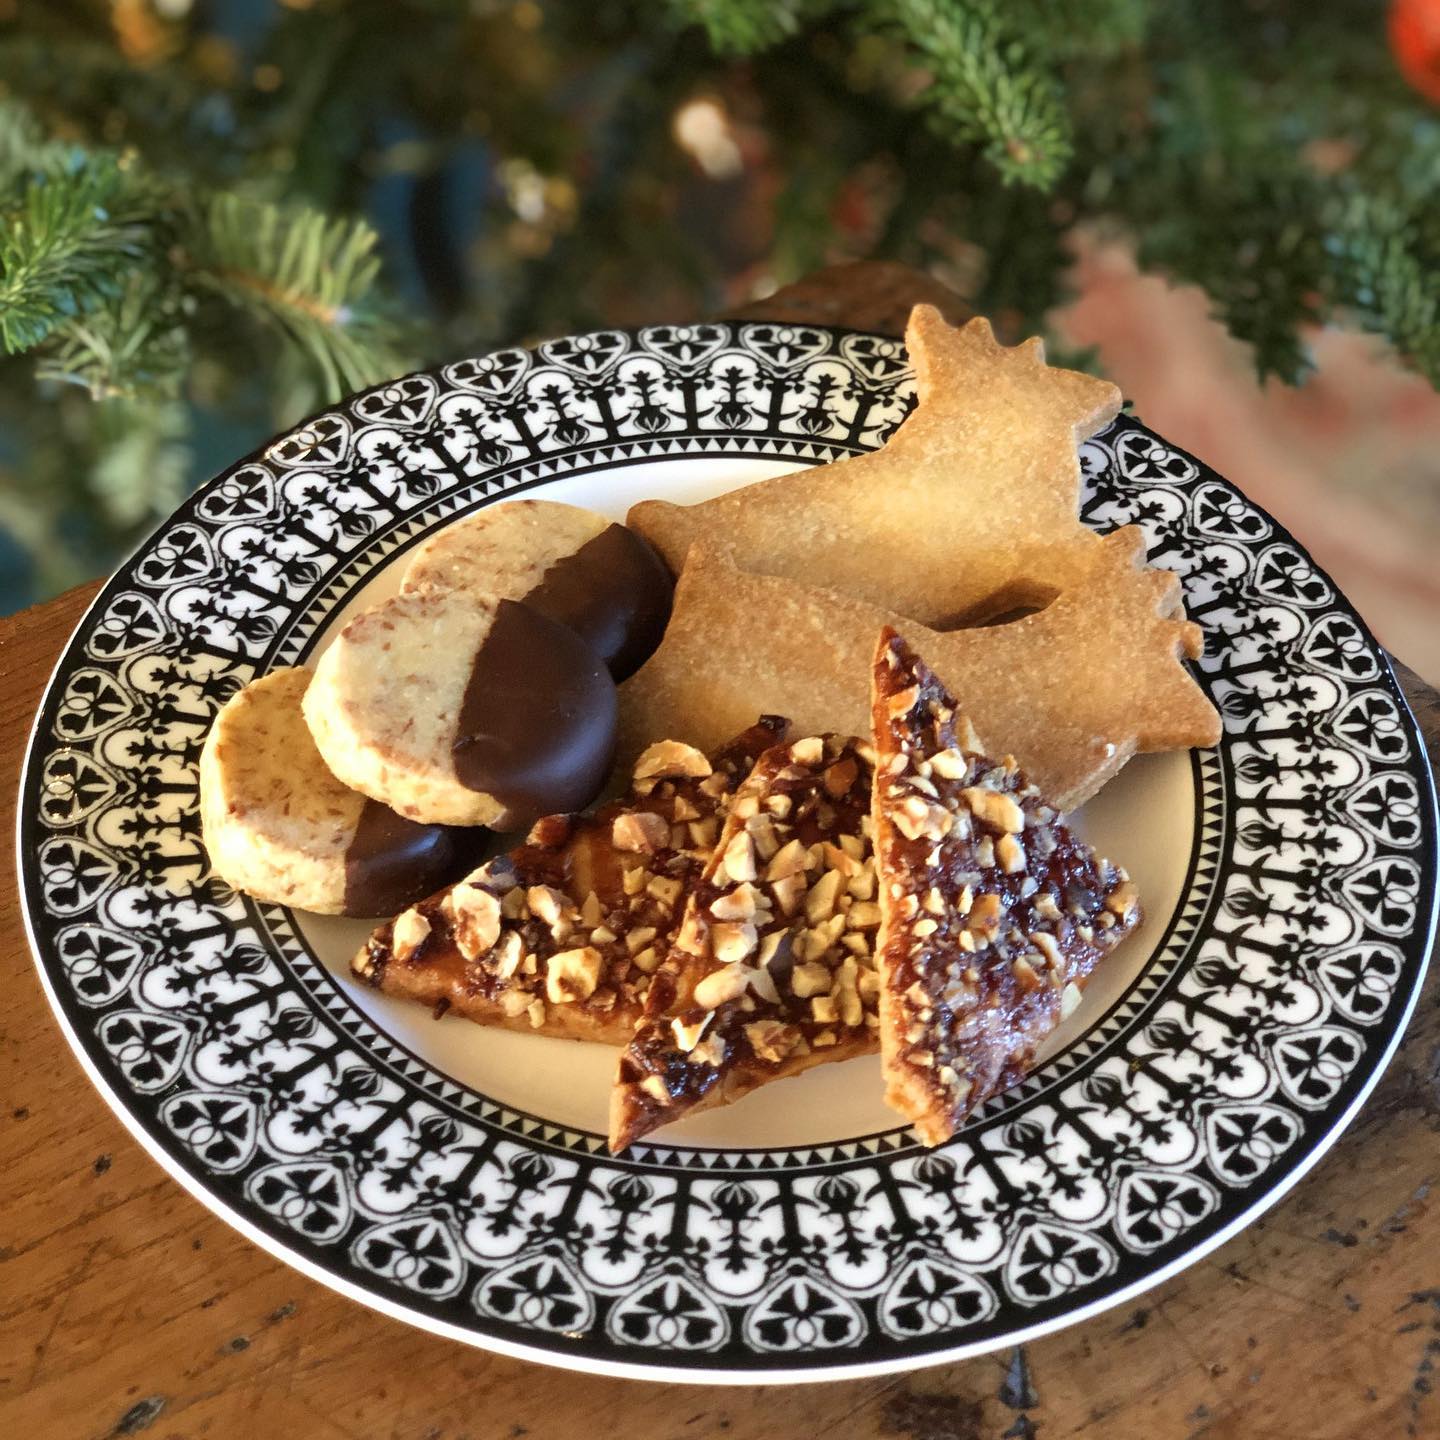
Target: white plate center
(1145, 820)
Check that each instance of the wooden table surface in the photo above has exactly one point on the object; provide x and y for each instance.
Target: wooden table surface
(126, 1308)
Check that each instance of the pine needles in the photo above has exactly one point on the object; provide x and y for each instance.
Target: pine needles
(66, 243)
(183, 268)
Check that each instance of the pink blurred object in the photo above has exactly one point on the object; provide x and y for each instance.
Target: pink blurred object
(1349, 461)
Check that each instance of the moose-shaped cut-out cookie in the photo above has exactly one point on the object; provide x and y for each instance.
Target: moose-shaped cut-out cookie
(969, 511)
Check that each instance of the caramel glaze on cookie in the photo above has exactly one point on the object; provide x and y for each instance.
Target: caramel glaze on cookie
(562, 934)
(993, 912)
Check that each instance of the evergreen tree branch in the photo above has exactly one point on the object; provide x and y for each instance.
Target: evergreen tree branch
(311, 278)
(745, 27)
(984, 89)
(135, 343)
(65, 243)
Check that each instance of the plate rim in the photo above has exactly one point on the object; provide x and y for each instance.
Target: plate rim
(654, 1368)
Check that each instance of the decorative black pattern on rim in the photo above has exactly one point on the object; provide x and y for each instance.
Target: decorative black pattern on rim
(1295, 960)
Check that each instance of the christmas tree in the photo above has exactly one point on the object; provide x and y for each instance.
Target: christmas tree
(220, 215)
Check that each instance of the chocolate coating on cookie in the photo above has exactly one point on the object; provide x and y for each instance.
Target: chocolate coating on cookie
(536, 728)
(391, 861)
(614, 592)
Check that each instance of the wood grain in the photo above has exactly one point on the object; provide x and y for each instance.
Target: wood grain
(126, 1308)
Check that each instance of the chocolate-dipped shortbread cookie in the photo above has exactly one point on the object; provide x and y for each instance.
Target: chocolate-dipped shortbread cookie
(464, 709)
(279, 826)
(576, 566)
(562, 934)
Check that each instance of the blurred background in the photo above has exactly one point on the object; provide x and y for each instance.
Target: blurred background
(221, 214)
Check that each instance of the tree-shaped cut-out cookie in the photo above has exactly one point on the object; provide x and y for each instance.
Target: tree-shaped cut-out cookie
(1073, 691)
(970, 509)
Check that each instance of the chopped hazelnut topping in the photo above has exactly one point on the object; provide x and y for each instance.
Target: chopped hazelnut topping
(1070, 998)
(809, 979)
(820, 899)
(591, 912)
(409, 934)
(762, 833)
(984, 918)
(789, 891)
(862, 886)
(1049, 947)
(809, 751)
(654, 1087)
(1123, 900)
(864, 915)
(841, 860)
(573, 974)
(671, 757)
(720, 986)
(736, 904)
(779, 806)
(823, 1010)
(1011, 854)
(687, 1037)
(665, 889)
(771, 1040)
(635, 879)
(949, 764)
(739, 859)
(474, 919)
(640, 831)
(1024, 973)
(733, 941)
(995, 809)
(514, 1003)
(788, 860)
(505, 957)
(547, 904)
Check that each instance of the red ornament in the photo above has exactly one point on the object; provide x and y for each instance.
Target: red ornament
(1415, 43)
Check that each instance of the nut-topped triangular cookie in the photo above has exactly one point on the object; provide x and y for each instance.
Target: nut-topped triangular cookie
(771, 971)
(1076, 689)
(970, 508)
(993, 912)
(562, 934)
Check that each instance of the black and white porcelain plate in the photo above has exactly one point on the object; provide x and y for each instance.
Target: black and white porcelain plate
(457, 1178)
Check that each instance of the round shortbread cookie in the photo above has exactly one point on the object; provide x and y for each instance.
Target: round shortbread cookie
(463, 709)
(279, 826)
(599, 578)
